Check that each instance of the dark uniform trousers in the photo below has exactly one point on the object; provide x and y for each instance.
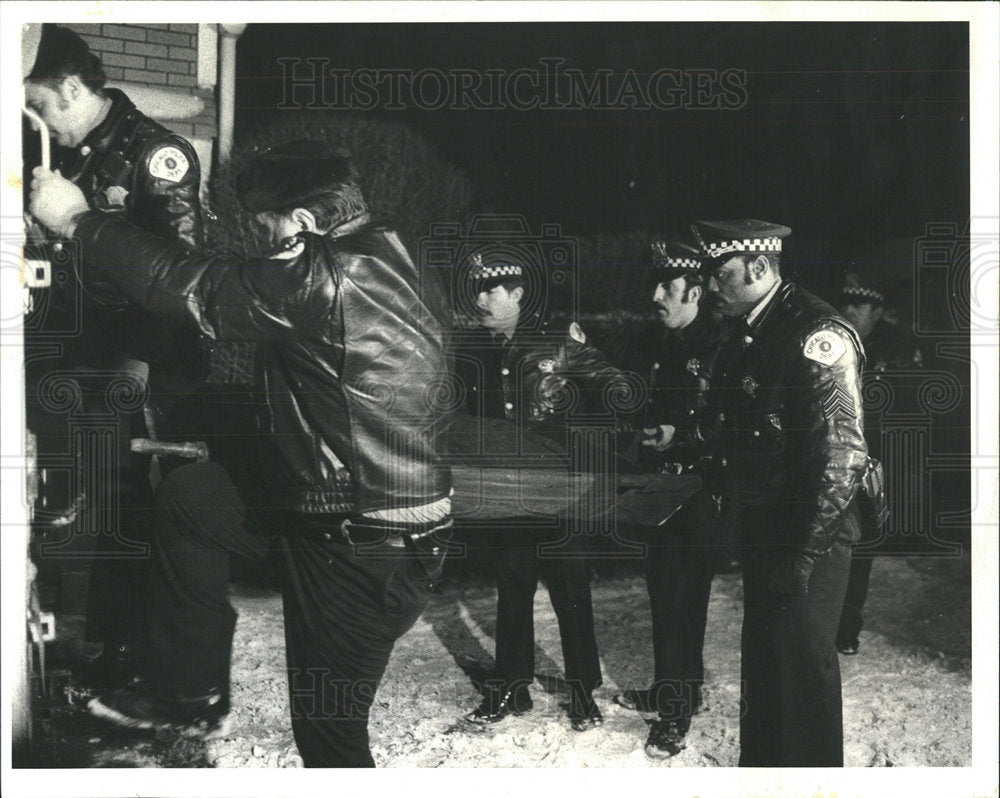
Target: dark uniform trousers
(520, 555)
(344, 606)
(790, 691)
(851, 618)
(680, 562)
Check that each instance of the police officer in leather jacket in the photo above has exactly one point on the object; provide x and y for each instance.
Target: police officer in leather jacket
(517, 366)
(862, 302)
(679, 555)
(357, 490)
(127, 165)
(792, 453)
(124, 162)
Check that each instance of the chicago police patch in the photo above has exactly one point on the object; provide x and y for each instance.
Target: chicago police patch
(825, 346)
(169, 163)
(577, 334)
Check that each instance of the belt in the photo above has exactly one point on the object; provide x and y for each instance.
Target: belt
(365, 531)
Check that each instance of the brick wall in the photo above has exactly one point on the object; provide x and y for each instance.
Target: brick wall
(160, 55)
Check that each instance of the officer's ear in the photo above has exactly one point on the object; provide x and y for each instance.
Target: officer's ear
(517, 293)
(70, 89)
(877, 312)
(694, 293)
(757, 268)
(305, 220)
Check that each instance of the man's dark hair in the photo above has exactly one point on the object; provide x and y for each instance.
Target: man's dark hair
(303, 174)
(62, 53)
(330, 208)
(690, 281)
(773, 258)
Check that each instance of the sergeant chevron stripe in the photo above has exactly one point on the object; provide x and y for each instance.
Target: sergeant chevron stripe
(838, 401)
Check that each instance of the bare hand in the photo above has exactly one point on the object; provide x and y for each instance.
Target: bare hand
(659, 438)
(552, 391)
(55, 201)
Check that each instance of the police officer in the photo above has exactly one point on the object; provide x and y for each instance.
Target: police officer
(679, 555)
(356, 490)
(516, 367)
(792, 451)
(126, 164)
(862, 302)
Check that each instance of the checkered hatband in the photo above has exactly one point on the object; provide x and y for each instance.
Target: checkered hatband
(716, 249)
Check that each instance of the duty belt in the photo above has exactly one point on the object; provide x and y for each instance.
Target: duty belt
(369, 532)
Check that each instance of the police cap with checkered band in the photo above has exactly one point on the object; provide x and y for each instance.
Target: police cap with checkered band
(489, 269)
(669, 260)
(724, 239)
(857, 290)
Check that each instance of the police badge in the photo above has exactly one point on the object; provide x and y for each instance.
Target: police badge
(115, 196)
(547, 366)
(693, 365)
(750, 385)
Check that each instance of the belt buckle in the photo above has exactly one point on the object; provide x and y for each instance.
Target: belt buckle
(345, 532)
(386, 538)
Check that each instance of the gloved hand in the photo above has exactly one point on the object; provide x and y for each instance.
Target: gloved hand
(790, 578)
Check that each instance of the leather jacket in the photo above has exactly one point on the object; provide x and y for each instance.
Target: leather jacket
(789, 412)
(355, 358)
(889, 356)
(132, 165)
(542, 377)
(679, 381)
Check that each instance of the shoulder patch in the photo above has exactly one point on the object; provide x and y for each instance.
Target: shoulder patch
(825, 346)
(577, 334)
(169, 163)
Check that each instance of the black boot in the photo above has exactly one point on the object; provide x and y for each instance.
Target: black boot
(499, 703)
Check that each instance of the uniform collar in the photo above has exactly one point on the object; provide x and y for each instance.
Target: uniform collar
(350, 226)
(103, 137)
(758, 309)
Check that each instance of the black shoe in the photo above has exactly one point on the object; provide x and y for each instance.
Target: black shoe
(644, 701)
(849, 647)
(636, 700)
(138, 707)
(666, 738)
(584, 714)
(498, 705)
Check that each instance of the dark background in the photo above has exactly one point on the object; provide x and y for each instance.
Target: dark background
(855, 133)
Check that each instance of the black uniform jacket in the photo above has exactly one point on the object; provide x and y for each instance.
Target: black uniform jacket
(540, 378)
(679, 381)
(789, 412)
(356, 357)
(134, 167)
(890, 356)
(130, 164)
